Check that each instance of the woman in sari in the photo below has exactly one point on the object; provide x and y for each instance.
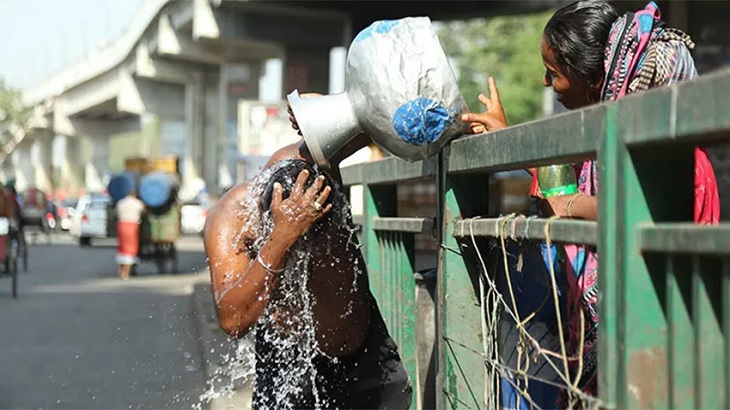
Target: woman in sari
(592, 54)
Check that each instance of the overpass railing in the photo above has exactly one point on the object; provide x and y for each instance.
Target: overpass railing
(664, 303)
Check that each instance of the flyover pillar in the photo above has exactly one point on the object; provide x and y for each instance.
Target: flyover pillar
(41, 147)
(68, 165)
(22, 167)
(96, 171)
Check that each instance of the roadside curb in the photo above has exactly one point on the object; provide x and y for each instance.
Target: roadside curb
(215, 347)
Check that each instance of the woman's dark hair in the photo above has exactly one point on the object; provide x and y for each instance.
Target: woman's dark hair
(577, 34)
(286, 173)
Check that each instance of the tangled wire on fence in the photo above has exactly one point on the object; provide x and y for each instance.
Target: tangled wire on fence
(528, 349)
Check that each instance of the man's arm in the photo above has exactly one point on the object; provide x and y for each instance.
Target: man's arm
(239, 286)
(242, 284)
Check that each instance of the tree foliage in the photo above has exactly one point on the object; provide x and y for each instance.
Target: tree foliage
(507, 48)
(12, 109)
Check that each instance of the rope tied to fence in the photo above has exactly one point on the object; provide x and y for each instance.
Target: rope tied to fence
(492, 302)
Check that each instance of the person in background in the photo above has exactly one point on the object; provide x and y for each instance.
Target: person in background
(51, 212)
(8, 208)
(16, 199)
(591, 54)
(129, 215)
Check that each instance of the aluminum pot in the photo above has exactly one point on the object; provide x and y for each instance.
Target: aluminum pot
(401, 91)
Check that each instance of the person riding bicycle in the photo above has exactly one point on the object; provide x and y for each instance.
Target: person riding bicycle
(17, 204)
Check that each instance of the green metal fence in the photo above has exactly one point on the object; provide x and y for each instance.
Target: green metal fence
(665, 282)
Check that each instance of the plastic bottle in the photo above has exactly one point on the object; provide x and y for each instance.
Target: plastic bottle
(557, 180)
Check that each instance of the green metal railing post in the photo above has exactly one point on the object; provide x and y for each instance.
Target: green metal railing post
(461, 376)
(638, 185)
(389, 256)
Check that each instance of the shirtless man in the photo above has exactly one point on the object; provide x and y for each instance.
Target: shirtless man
(355, 363)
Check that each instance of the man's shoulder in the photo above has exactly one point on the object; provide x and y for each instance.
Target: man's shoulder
(291, 151)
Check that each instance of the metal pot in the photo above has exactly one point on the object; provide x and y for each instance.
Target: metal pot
(401, 91)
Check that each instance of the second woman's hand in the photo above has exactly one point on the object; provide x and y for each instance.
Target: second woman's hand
(490, 120)
(578, 206)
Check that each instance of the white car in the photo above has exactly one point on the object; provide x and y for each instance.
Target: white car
(192, 217)
(90, 219)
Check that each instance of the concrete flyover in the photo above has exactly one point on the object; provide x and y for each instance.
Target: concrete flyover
(170, 85)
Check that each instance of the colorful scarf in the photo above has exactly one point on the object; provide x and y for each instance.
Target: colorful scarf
(640, 54)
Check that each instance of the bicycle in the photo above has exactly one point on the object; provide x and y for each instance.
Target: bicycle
(22, 251)
(9, 238)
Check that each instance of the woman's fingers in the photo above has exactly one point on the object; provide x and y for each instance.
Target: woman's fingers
(298, 188)
(493, 91)
(475, 118)
(477, 128)
(485, 101)
(486, 120)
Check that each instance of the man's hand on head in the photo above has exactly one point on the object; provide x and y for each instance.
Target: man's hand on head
(304, 206)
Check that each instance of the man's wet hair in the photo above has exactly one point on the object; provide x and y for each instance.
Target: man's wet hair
(286, 173)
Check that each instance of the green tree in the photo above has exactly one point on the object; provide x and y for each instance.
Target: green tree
(507, 48)
(16, 119)
(12, 109)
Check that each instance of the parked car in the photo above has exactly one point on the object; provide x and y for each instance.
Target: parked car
(90, 218)
(192, 217)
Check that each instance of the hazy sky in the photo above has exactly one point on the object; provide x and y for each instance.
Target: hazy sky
(41, 37)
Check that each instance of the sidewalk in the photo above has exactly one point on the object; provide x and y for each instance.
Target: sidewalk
(216, 346)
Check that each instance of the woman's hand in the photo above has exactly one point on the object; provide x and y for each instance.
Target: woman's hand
(293, 119)
(572, 206)
(557, 205)
(490, 120)
(294, 216)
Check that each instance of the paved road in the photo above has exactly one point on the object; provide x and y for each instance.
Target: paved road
(78, 337)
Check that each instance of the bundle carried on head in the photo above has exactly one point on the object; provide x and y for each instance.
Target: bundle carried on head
(120, 185)
(158, 190)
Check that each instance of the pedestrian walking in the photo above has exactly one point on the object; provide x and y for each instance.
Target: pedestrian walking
(129, 215)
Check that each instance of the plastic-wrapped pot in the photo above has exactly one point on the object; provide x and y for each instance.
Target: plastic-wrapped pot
(401, 91)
